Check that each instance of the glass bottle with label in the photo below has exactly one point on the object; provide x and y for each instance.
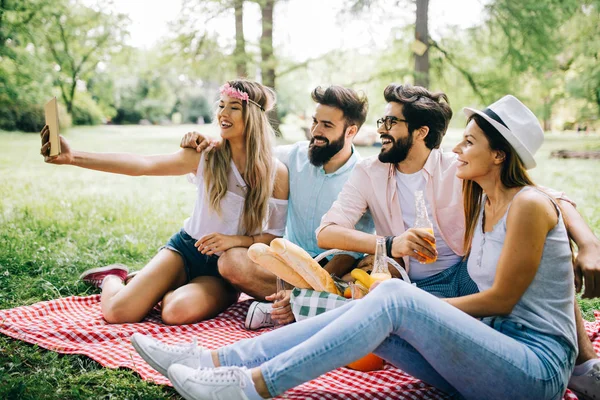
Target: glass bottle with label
(422, 222)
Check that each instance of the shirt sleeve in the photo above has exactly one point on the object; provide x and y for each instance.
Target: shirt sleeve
(277, 217)
(283, 153)
(350, 205)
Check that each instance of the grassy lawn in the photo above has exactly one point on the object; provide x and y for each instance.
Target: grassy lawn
(56, 221)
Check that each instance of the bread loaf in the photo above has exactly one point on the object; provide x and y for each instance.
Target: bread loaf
(264, 256)
(298, 259)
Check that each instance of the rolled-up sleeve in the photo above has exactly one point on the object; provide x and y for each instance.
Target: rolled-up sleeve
(277, 217)
(351, 203)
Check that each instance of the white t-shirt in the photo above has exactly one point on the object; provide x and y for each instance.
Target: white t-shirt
(205, 220)
(407, 185)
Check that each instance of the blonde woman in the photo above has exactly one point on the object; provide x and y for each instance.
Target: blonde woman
(242, 199)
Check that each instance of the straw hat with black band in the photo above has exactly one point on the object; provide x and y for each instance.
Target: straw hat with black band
(519, 126)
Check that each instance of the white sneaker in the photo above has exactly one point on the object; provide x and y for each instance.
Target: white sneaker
(161, 356)
(587, 385)
(225, 383)
(259, 316)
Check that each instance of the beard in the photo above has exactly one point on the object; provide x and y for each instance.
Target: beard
(320, 155)
(399, 150)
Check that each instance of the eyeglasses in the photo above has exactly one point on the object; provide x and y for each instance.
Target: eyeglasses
(388, 122)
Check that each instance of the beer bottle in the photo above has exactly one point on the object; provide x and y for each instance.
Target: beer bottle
(422, 222)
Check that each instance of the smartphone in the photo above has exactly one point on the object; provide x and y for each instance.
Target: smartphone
(51, 111)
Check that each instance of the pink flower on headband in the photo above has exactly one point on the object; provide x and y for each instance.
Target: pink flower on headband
(227, 90)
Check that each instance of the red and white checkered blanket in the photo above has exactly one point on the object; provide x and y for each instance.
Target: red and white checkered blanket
(74, 325)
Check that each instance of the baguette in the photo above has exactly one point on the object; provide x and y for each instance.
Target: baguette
(298, 259)
(262, 254)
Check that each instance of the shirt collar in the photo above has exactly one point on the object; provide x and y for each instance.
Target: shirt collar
(432, 161)
(430, 165)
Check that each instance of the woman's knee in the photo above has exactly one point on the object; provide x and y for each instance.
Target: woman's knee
(179, 311)
(394, 291)
(115, 312)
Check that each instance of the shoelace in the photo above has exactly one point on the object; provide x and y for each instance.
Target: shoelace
(595, 372)
(180, 348)
(223, 375)
(268, 320)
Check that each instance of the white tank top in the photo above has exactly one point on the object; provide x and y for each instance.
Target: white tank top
(204, 220)
(547, 304)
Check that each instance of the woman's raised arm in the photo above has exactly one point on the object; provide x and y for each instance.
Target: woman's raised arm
(182, 162)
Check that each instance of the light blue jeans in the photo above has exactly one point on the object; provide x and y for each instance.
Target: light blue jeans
(420, 334)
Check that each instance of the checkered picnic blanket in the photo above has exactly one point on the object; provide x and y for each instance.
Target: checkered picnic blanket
(74, 325)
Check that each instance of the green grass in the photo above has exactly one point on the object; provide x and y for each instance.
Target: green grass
(56, 221)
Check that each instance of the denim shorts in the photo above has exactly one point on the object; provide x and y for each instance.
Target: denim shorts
(195, 263)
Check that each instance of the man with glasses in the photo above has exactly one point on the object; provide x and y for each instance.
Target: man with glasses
(410, 160)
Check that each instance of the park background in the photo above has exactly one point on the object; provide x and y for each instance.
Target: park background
(135, 76)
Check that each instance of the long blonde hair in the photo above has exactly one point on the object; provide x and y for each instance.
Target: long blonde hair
(260, 167)
(512, 174)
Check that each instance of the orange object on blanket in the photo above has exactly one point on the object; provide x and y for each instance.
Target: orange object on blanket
(368, 363)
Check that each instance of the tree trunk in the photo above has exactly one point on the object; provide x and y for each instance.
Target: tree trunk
(267, 56)
(547, 114)
(422, 34)
(71, 100)
(239, 53)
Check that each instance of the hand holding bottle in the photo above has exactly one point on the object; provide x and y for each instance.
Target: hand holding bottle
(418, 243)
(425, 227)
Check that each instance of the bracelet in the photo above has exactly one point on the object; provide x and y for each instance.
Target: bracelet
(389, 240)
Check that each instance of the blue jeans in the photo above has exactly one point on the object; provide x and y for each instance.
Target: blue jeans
(451, 282)
(420, 334)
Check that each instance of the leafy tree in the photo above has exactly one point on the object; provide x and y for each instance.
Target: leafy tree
(268, 61)
(78, 38)
(239, 53)
(205, 57)
(421, 34)
(583, 57)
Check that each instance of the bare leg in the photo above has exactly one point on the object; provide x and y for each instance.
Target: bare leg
(586, 348)
(203, 298)
(245, 275)
(131, 303)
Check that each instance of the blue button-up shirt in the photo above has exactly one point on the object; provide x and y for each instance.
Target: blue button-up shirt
(312, 192)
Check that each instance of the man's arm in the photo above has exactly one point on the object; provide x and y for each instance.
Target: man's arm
(340, 264)
(194, 140)
(334, 236)
(337, 225)
(587, 263)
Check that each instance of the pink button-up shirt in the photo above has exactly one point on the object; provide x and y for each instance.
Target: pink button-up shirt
(372, 186)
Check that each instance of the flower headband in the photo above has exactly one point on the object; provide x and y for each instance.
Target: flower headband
(230, 91)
